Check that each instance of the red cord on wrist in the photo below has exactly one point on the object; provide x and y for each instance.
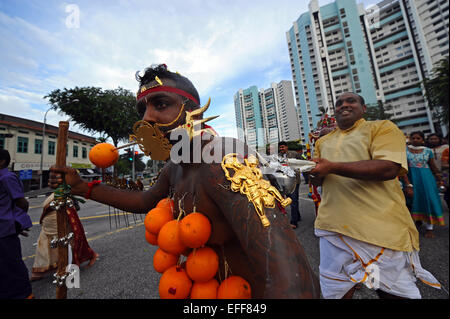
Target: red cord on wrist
(90, 187)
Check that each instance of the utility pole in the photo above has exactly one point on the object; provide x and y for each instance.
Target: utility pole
(134, 160)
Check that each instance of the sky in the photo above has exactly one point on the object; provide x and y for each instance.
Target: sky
(221, 46)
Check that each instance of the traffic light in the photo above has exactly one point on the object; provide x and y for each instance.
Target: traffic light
(130, 155)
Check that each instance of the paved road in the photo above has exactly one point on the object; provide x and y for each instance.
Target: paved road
(125, 271)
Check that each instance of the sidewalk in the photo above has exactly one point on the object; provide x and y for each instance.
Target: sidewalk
(38, 193)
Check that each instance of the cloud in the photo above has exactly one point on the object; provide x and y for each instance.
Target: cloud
(220, 45)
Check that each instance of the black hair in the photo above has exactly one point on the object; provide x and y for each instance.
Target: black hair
(439, 136)
(181, 82)
(4, 156)
(361, 99)
(417, 133)
(282, 143)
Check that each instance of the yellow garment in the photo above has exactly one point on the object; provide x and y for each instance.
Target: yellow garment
(370, 211)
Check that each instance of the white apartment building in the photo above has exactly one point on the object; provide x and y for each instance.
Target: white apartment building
(266, 116)
(280, 118)
(328, 49)
(382, 53)
(409, 37)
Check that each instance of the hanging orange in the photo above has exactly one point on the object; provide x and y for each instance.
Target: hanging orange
(166, 203)
(205, 290)
(174, 284)
(202, 264)
(103, 155)
(169, 240)
(234, 287)
(151, 238)
(163, 261)
(195, 230)
(156, 218)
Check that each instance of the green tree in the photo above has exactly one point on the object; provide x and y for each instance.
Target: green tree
(436, 90)
(377, 112)
(295, 145)
(110, 113)
(124, 165)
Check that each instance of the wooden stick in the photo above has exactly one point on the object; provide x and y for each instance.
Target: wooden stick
(61, 216)
(126, 145)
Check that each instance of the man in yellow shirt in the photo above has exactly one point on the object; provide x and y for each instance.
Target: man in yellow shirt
(366, 232)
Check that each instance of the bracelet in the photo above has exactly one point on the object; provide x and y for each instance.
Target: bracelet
(410, 185)
(90, 187)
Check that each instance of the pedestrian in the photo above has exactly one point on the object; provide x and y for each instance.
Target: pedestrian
(435, 143)
(270, 256)
(422, 184)
(445, 170)
(365, 231)
(46, 260)
(283, 154)
(14, 221)
(439, 146)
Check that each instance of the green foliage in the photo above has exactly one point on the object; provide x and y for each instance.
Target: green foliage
(124, 166)
(295, 145)
(377, 112)
(436, 90)
(111, 113)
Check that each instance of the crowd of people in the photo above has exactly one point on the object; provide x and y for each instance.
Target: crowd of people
(363, 221)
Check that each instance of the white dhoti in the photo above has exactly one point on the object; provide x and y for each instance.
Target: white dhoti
(345, 261)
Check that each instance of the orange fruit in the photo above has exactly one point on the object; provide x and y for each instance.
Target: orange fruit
(205, 290)
(168, 239)
(152, 239)
(195, 230)
(174, 284)
(202, 264)
(163, 261)
(166, 203)
(103, 155)
(156, 218)
(234, 287)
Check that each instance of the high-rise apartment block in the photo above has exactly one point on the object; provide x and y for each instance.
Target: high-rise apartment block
(382, 53)
(266, 116)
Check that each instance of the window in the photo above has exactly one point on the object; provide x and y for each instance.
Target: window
(75, 151)
(22, 144)
(51, 148)
(37, 146)
(2, 143)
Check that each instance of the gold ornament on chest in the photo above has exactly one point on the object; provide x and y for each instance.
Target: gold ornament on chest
(247, 179)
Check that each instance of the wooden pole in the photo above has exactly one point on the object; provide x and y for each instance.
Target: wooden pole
(61, 216)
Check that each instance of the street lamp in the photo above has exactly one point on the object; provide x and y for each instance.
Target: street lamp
(43, 138)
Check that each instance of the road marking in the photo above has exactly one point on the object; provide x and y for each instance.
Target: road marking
(114, 232)
(97, 216)
(100, 236)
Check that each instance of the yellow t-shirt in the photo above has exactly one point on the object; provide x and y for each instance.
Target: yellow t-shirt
(371, 211)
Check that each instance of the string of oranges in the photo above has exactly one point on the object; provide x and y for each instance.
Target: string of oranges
(194, 278)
